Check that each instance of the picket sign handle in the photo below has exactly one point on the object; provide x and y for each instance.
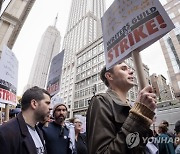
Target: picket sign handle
(139, 69)
(6, 112)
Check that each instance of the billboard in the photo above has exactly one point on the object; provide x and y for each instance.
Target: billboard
(132, 24)
(53, 83)
(8, 77)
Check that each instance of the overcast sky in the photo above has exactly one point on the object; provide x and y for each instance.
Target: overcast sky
(43, 15)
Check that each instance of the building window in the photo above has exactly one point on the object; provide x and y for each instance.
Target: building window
(83, 74)
(94, 78)
(81, 103)
(177, 28)
(83, 67)
(101, 47)
(82, 84)
(84, 57)
(76, 104)
(89, 53)
(78, 77)
(86, 102)
(94, 51)
(101, 86)
(100, 66)
(79, 60)
(163, 2)
(89, 90)
(94, 60)
(178, 38)
(88, 64)
(78, 69)
(88, 72)
(173, 56)
(100, 57)
(88, 81)
(86, 91)
(94, 69)
(171, 15)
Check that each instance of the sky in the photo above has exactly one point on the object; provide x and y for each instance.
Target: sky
(43, 15)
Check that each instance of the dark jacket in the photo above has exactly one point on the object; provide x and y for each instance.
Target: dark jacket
(16, 139)
(57, 140)
(165, 144)
(109, 121)
(81, 144)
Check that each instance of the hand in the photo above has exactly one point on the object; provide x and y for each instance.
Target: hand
(147, 97)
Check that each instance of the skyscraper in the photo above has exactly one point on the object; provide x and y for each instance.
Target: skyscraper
(48, 47)
(170, 44)
(83, 28)
(84, 57)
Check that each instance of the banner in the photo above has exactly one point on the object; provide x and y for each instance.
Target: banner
(55, 74)
(132, 24)
(8, 77)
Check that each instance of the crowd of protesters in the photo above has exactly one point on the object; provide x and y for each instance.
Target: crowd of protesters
(113, 125)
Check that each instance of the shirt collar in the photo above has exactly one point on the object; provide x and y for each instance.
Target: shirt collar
(115, 97)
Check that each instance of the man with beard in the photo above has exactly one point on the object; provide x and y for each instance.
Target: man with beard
(20, 135)
(59, 135)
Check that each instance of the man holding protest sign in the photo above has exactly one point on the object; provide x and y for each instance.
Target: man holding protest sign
(113, 126)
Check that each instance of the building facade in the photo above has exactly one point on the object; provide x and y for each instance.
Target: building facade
(169, 111)
(12, 20)
(90, 61)
(48, 47)
(84, 57)
(83, 28)
(170, 44)
(161, 88)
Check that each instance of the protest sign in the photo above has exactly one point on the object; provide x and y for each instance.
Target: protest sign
(55, 74)
(132, 24)
(8, 77)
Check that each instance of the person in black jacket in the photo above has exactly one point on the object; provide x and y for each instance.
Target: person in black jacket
(20, 135)
(80, 138)
(60, 135)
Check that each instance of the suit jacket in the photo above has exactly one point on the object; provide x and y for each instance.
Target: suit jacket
(16, 139)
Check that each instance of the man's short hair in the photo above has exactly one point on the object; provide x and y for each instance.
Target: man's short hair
(163, 127)
(165, 123)
(177, 126)
(103, 77)
(30, 94)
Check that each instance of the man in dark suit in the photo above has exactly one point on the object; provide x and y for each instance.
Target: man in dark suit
(20, 135)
